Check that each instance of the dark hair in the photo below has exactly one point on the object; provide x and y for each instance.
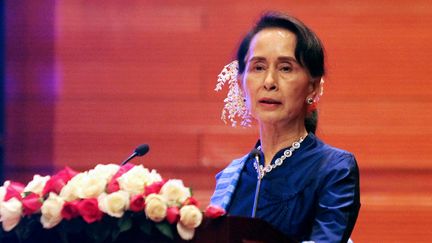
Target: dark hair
(309, 50)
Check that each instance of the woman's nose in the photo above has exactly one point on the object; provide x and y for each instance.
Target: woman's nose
(270, 81)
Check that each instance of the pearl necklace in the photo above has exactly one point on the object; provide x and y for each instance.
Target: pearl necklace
(261, 170)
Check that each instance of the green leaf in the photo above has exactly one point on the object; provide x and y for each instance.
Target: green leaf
(146, 226)
(125, 223)
(62, 231)
(98, 231)
(115, 234)
(74, 226)
(63, 235)
(166, 229)
(27, 227)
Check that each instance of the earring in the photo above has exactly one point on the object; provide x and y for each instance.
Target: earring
(309, 101)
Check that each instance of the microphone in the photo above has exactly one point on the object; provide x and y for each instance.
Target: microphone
(139, 151)
(256, 155)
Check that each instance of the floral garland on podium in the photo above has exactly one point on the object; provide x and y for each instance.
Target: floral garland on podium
(109, 203)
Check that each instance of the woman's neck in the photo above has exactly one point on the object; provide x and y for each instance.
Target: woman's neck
(274, 138)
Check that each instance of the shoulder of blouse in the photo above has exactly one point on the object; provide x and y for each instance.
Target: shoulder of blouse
(226, 182)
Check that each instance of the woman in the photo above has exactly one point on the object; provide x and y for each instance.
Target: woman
(308, 189)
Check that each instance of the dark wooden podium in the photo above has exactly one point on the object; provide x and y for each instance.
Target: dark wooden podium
(221, 230)
(230, 229)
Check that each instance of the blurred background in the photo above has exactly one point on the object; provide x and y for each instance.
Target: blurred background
(85, 82)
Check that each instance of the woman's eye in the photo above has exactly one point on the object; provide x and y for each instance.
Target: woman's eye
(259, 68)
(285, 69)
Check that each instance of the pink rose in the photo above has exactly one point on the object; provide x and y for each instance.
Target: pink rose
(14, 189)
(89, 210)
(70, 210)
(155, 187)
(58, 181)
(113, 184)
(173, 215)
(137, 203)
(191, 201)
(214, 211)
(31, 203)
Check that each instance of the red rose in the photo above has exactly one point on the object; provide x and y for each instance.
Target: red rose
(89, 210)
(214, 211)
(31, 203)
(14, 189)
(70, 210)
(155, 187)
(137, 203)
(113, 184)
(58, 181)
(191, 201)
(173, 215)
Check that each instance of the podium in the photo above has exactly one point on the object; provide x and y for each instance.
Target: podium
(227, 229)
(231, 229)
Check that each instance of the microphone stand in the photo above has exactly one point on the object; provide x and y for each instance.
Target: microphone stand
(258, 185)
(139, 151)
(130, 157)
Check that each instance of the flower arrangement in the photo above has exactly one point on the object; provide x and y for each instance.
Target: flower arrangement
(99, 205)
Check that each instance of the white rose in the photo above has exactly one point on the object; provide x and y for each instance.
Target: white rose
(114, 204)
(3, 191)
(156, 207)
(10, 212)
(190, 216)
(175, 192)
(153, 177)
(104, 172)
(37, 184)
(185, 233)
(91, 186)
(136, 179)
(70, 191)
(51, 211)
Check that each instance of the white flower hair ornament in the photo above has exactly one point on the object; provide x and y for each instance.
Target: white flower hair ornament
(235, 107)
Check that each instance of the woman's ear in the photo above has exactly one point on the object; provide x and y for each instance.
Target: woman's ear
(314, 86)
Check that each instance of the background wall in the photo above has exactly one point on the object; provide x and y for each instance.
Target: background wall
(87, 81)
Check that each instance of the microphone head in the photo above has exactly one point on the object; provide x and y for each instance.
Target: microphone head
(255, 152)
(142, 149)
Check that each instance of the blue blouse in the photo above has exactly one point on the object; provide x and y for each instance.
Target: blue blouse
(313, 195)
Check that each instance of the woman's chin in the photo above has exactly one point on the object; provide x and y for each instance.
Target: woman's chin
(275, 118)
(269, 119)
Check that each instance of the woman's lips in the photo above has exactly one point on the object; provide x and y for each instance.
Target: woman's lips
(269, 101)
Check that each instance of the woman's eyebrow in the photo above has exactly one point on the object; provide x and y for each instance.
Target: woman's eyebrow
(281, 58)
(287, 59)
(257, 58)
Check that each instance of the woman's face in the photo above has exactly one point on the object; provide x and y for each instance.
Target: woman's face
(275, 84)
